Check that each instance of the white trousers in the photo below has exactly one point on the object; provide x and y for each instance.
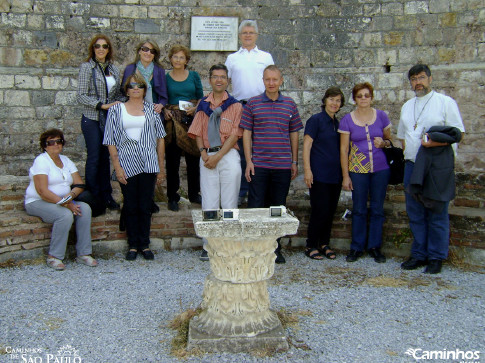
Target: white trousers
(220, 186)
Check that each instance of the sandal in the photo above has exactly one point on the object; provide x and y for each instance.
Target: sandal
(327, 252)
(313, 253)
(55, 263)
(87, 260)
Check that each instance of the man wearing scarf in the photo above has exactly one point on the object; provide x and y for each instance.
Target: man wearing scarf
(216, 130)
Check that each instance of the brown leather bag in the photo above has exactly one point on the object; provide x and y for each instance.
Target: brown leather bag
(176, 128)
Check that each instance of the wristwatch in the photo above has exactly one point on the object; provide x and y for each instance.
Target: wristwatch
(201, 149)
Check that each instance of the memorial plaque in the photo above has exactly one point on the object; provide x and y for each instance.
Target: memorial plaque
(210, 33)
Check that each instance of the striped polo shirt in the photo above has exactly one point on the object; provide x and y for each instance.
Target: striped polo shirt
(271, 123)
(136, 157)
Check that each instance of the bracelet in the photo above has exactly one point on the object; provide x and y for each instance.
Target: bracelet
(295, 162)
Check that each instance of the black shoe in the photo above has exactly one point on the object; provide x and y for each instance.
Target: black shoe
(353, 256)
(196, 200)
(204, 256)
(376, 254)
(173, 206)
(147, 254)
(413, 263)
(155, 208)
(279, 257)
(112, 205)
(434, 267)
(131, 255)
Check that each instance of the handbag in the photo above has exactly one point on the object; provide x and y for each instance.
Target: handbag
(395, 160)
(97, 206)
(177, 127)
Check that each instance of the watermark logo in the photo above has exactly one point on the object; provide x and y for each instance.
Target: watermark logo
(65, 354)
(469, 356)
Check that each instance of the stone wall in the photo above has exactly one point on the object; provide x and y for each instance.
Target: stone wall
(317, 43)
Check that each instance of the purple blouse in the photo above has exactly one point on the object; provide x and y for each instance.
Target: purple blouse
(364, 157)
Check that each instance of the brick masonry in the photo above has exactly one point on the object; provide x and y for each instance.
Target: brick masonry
(317, 43)
(172, 230)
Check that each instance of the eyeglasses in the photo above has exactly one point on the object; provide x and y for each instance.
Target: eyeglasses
(367, 95)
(54, 142)
(146, 50)
(177, 58)
(97, 46)
(222, 78)
(420, 78)
(133, 85)
(249, 33)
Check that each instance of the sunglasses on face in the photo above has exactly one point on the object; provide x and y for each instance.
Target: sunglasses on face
(104, 46)
(146, 49)
(133, 85)
(363, 96)
(54, 142)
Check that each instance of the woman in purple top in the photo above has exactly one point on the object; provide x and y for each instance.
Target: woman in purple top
(363, 134)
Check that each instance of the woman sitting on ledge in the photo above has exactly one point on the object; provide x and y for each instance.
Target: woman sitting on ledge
(50, 197)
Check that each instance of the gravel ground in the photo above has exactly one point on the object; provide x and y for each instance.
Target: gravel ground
(338, 312)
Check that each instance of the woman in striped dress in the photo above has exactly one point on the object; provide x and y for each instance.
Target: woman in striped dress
(134, 136)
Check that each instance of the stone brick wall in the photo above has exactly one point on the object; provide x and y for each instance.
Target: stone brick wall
(23, 236)
(317, 43)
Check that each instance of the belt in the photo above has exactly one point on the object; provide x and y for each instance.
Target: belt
(213, 149)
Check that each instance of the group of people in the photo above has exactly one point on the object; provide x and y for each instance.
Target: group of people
(430, 125)
(244, 143)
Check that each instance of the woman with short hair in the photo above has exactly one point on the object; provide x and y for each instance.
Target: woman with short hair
(363, 134)
(183, 86)
(50, 197)
(134, 136)
(323, 175)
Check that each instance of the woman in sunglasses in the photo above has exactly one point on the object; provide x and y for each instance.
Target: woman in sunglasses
(184, 92)
(363, 134)
(98, 90)
(134, 136)
(147, 64)
(50, 197)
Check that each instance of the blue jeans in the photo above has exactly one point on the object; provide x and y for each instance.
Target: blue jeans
(373, 185)
(431, 231)
(97, 171)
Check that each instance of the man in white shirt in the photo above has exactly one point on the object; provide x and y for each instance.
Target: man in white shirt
(246, 68)
(429, 108)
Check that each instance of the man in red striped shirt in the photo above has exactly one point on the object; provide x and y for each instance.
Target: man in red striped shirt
(271, 123)
(216, 130)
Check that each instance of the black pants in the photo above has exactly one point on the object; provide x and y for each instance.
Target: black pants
(137, 209)
(323, 200)
(172, 164)
(269, 187)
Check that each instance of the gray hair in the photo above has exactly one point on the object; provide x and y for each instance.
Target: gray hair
(251, 23)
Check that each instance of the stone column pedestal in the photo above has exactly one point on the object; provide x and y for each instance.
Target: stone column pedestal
(236, 315)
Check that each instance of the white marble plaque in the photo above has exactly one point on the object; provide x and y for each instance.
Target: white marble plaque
(210, 33)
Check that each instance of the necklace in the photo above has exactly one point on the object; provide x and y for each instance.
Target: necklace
(414, 113)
